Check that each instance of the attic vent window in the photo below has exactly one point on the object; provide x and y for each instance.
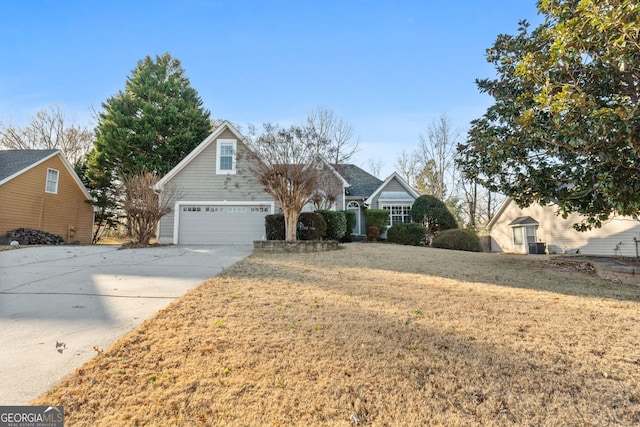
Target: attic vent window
(52, 181)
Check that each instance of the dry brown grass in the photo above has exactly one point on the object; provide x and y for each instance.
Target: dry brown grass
(375, 335)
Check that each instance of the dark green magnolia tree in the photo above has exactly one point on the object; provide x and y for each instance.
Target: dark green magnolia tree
(151, 125)
(433, 214)
(565, 124)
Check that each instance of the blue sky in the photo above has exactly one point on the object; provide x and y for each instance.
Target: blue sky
(389, 68)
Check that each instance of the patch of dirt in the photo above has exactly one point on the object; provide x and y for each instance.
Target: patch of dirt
(572, 264)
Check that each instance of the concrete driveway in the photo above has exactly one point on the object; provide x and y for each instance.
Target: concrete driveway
(58, 303)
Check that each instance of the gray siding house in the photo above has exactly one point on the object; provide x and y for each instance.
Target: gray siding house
(219, 202)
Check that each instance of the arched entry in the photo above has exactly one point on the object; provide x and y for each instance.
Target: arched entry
(355, 206)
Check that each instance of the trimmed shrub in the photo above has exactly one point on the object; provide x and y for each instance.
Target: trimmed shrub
(336, 224)
(351, 222)
(433, 214)
(373, 233)
(407, 234)
(311, 226)
(274, 226)
(459, 240)
(378, 218)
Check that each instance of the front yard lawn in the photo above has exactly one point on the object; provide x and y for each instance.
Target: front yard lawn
(375, 335)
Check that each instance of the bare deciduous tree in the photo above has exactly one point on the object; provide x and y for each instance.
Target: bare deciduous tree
(438, 149)
(329, 188)
(287, 163)
(375, 167)
(49, 129)
(339, 134)
(432, 170)
(144, 206)
(408, 165)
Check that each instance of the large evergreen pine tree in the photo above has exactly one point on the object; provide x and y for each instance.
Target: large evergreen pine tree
(151, 125)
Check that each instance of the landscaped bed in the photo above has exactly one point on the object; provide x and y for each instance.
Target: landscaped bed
(377, 335)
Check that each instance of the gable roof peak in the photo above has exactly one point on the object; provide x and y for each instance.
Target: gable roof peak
(14, 163)
(226, 124)
(403, 183)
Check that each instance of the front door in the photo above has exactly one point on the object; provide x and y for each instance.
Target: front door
(355, 207)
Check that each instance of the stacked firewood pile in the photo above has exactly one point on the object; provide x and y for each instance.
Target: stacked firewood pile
(30, 236)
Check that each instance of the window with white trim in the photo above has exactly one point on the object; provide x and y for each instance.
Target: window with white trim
(517, 236)
(52, 181)
(226, 156)
(398, 213)
(520, 233)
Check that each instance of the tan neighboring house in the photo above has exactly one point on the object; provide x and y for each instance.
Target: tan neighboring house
(523, 230)
(39, 189)
(220, 201)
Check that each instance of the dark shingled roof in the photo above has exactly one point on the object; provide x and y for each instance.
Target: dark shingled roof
(363, 184)
(13, 161)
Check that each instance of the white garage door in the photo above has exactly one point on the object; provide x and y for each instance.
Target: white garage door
(221, 224)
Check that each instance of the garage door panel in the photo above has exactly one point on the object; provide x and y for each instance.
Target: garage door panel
(225, 224)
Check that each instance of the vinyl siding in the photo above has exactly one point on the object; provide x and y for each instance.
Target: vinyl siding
(198, 181)
(24, 203)
(393, 185)
(559, 235)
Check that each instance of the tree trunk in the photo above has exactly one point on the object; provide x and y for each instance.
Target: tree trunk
(290, 224)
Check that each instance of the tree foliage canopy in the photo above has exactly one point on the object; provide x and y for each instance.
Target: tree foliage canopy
(288, 163)
(433, 214)
(565, 124)
(151, 125)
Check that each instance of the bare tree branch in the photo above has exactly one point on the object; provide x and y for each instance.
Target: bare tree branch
(408, 165)
(338, 144)
(49, 129)
(145, 207)
(287, 163)
(375, 167)
(439, 146)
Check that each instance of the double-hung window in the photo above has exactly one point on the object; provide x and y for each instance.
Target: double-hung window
(52, 181)
(517, 236)
(226, 156)
(522, 233)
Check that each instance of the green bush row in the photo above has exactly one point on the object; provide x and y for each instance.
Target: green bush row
(407, 234)
(377, 220)
(458, 239)
(336, 224)
(274, 226)
(351, 222)
(311, 226)
(330, 225)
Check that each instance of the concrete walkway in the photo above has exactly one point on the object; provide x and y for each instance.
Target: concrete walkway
(57, 303)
